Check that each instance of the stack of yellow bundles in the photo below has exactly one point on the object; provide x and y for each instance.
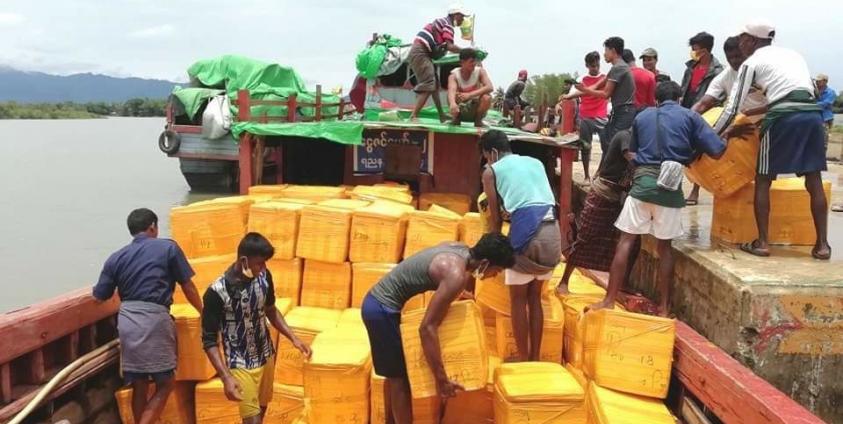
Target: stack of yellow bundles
(313, 193)
(349, 318)
(628, 352)
(347, 204)
(494, 294)
(286, 277)
(574, 334)
(377, 408)
(178, 409)
(578, 285)
(473, 407)
(193, 364)
(578, 375)
(378, 232)
(735, 169)
(326, 285)
(279, 223)
(271, 190)
(336, 378)
(363, 277)
(540, 392)
(287, 404)
(790, 214)
(283, 305)
(306, 323)
(490, 325)
(207, 230)
(462, 343)
(471, 228)
(243, 203)
(553, 330)
(208, 269)
(455, 202)
(323, 234)
(426, 229)
(606, 406)
(212, 407)
(399, 194)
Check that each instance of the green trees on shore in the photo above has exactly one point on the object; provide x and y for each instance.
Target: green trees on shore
(70, 110)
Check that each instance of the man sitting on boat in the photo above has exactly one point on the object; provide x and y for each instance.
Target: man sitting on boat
(445, 269)
(238, 305)
(144, 274)
(469, 89)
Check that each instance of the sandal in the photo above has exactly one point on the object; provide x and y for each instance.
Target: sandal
(691, 202)
(837, 207)
(823, 257)
(752, 249)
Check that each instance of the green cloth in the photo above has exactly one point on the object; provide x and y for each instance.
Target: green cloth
(193, 97)
(369, 60)
(343, 132)
(795, 101)
(646, 189)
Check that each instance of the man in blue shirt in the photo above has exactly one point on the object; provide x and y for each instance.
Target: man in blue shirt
(144, 273)
(826, 99)
(668, 132)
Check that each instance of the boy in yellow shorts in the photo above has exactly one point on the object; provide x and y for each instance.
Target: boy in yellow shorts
(238, 305)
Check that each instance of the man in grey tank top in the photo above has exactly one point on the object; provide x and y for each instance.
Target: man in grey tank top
(445, 269)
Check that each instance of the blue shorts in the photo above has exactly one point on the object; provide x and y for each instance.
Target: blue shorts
(158, 377)
(794, 144)
(384, 327)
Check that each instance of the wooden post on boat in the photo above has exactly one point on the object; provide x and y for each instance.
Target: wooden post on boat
(318, 114)
(292, 105)
(244, 114)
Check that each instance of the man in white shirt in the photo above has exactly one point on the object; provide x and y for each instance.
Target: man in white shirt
(792, 132)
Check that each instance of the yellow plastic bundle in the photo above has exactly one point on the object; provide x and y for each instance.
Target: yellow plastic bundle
(326, 285)
(553, 330)
(279, 223)
(490, 325)
(471, 228)
(578, 375)
(208, 270)
(324, 234)
(790, 214)
(242, 202)
(364, 276)
(415, 303)
(578, 285)
(455, 202)
(293, 200)
(540, 392)
(574, 334)
(462, 342)
(192, 364)
(347, 204)
(607, 406)
(212, 407)
(494, 294)
(378, 232)
(377, 408)
(178, 409)
(735, 169)
(286, 277)
(286, 406)
(399, 194)
(336, 378)
(628, 352)
(207, 230)
(426, 229)
(473, 407)
(350, 317)
(306, 323)
(267, 190)
(313, 193)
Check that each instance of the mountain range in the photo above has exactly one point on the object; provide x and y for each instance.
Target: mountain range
(39, 87)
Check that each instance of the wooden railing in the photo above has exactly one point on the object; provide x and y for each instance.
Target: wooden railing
(245, 103)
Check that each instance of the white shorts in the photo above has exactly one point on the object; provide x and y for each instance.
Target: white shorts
(515, 278)
(639, 217)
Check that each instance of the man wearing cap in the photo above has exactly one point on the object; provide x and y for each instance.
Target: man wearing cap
(825, 99)
(649, 59)
(792, 132)
(512, 98)
(700, 70)
(432, 42)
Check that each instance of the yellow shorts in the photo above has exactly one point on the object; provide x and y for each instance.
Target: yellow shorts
(256, 387)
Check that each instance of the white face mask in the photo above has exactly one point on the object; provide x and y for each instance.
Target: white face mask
(480, 271)
(244, 268)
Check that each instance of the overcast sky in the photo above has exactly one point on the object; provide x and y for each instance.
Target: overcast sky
(320, 38)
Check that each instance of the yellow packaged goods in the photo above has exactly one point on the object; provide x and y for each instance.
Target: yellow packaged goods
(269, 189)
(192, 364)
(286, 406)
(242, 202)
(279, 223)
(392, 193)
(735, 169)
(628, 352)
(574, 334)
(348, 204)
(455, 202)
(494, 294)
(415, 303)
(212, 407)
(313, 193)
(607, 406)
(207, 270)
(323, 234)
(540, 392)
(552, 333)
(578, 285)
(287, 277)
(336, 378)
(790, 214)
(306, 323)
(377, 408)
(207, 230)
(426, 229)
(490, 325)
(462, 342)
(293, 200)
(363, 277)
(326, 285)
(378, 232)
(578, 375)
(350, 317)
(178, 409)
(471, 228)
(473, 407)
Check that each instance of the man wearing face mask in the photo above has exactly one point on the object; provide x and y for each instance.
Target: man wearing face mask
(701, 69)
(238, 305)
(521, 184)
(446, 270)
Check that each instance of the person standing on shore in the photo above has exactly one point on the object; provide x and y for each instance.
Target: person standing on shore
(145, 273)
(826, 97)
(512, 98)
(649, 60)
(593, 111)
(645, 83)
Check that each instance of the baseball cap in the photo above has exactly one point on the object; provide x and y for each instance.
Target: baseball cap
(522, 73)
(649, 52)
(760, 29)
(821, 77)
(458, 8)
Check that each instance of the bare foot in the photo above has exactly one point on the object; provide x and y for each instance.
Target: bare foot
(443, 118)
(414, 119)
(605, 304)
(821, 251)
(562, 290)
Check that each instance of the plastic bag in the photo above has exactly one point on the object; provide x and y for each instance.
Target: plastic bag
(216, 120)
(670, 175)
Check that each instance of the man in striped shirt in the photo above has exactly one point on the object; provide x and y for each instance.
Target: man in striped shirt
(433, 41)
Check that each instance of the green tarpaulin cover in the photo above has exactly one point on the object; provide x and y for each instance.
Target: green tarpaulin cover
(192, 97)
(369, 60)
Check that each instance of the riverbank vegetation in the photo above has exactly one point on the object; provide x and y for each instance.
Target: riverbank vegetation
(69, 110)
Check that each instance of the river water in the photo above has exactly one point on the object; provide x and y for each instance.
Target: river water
(67, 187)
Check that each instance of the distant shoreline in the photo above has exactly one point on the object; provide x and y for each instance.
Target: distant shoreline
(94, 110)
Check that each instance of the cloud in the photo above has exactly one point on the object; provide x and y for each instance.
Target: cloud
(11, 19)
(153, 32)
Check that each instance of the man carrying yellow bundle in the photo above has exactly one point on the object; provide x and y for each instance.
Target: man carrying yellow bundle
(145, 273)
(238, 305)
(445, 269)
(521, 184)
